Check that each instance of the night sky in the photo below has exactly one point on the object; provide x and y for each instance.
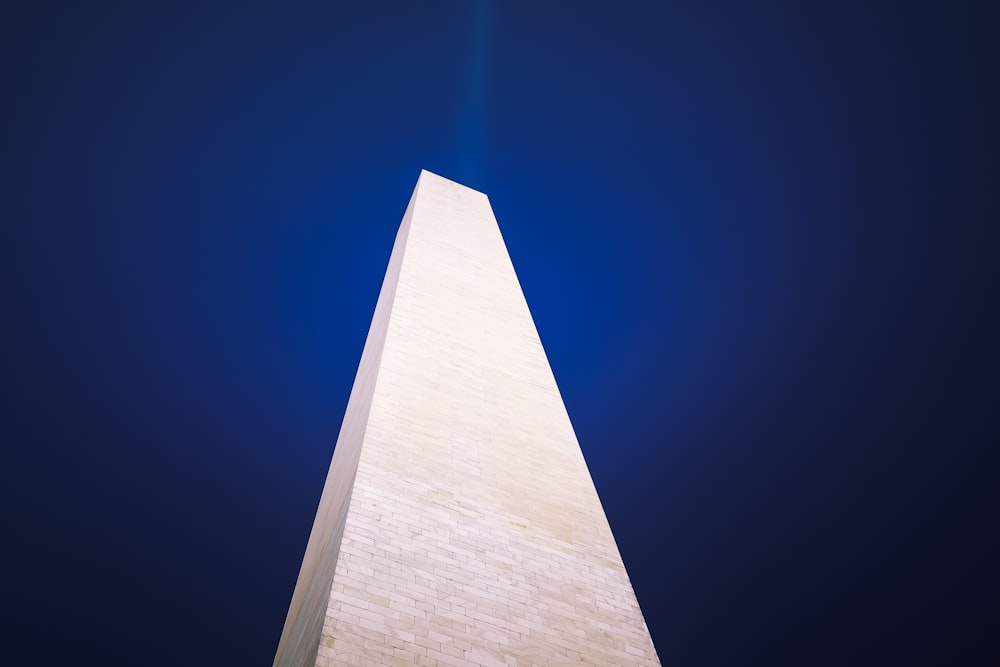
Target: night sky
(757, 239)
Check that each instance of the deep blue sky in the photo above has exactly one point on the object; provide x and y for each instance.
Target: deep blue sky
(756, 239)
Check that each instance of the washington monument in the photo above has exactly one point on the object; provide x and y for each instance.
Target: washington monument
(459, 524)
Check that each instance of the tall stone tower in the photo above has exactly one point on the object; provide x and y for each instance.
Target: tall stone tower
(459, 524)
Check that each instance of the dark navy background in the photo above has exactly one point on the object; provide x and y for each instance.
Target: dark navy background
(757, 240)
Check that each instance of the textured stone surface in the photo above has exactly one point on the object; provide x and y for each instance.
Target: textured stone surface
(473, 534)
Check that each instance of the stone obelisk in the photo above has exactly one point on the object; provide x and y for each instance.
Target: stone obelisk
(459, 524)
